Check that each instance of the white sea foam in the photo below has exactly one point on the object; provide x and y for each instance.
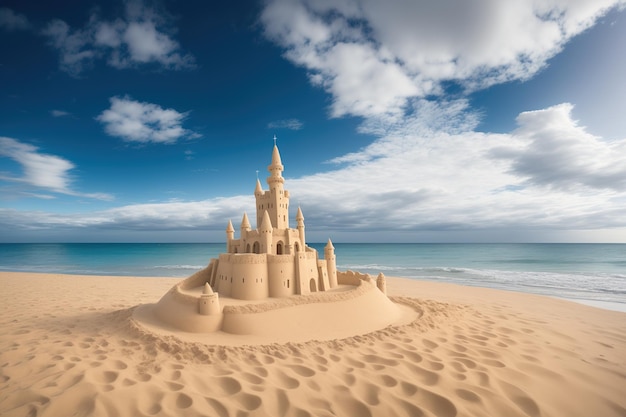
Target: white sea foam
(177, 267)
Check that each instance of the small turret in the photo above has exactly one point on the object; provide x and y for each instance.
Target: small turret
(266, 223)
(245, 224)
(275, 168)
(230, 235)
(331, 264)
(300, 226)
(258, 190)
(266, 231)
(381, 283)
(230, 230)
(209, 303)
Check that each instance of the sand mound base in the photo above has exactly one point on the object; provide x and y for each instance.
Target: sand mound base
(474, 352)
(354, 310)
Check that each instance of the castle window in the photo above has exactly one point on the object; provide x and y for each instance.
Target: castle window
(287, 283)
(243, 280)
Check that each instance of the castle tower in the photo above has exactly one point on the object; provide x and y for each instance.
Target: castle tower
(230, 235)
(331, 264)
(245, 226)
(278, 200)
(381, 283)
(300, 222)
(266, 234)
(258, 190)
(209, 303)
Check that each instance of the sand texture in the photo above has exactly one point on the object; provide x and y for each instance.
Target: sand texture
(69, 347)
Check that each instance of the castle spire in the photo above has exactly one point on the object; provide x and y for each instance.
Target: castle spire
(230, 235)
(245, 223)
(266, 223)
(300, 226)
(276, 162)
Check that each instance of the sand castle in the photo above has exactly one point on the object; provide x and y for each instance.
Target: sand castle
(270, 268)
(273, 260)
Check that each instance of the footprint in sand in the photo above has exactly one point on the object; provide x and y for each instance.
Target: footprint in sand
(424, 376)
(107, 376)
(379, 360)
(262, 372)
(286, 381)
(249, 401)
(174, 386)
(408, 389)
(351, 406)
(143, 377)
(468, 395)
(183, 401)
(430, 344)
(370, 393)
(218, 407)
(387, 381)
(228, 386)
(251, 378)
(302, 370)
(521, 399)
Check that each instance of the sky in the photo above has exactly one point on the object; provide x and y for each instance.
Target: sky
(397, 121)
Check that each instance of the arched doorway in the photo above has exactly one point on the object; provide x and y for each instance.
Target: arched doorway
(248, 248)
(312, 285)
(256, 247)
(279, 248)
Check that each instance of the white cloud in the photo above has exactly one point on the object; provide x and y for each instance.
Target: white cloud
(374, 56)
(550, 149)
(74, 47)
(41, 170)
(548, 174)
(136, 121)
(210, 214)
(291, 124)
(409, 183)
(142, 37)
(10, 21)
(60, 113)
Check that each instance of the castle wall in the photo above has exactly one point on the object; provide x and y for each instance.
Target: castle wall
(331, 267)
(282, 275)
(224, 275)
(306, 270)
(352, 278)
(322, 272)
(249, 276)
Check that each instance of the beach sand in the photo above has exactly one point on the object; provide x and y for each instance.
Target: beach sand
(69, 347)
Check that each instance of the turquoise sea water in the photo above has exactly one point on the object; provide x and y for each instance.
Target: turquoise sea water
(591, 273)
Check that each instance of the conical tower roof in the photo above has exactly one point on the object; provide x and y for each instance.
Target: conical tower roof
(266, 223)
(276, 157)
(245, 223)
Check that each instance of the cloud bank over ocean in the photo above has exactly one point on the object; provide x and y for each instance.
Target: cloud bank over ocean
(407, 74)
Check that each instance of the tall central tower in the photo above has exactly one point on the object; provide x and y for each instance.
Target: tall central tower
(276, 200)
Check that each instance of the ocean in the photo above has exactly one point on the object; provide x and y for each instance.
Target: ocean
(593, 274)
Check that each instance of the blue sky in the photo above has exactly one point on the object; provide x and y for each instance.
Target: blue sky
(397, 121)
